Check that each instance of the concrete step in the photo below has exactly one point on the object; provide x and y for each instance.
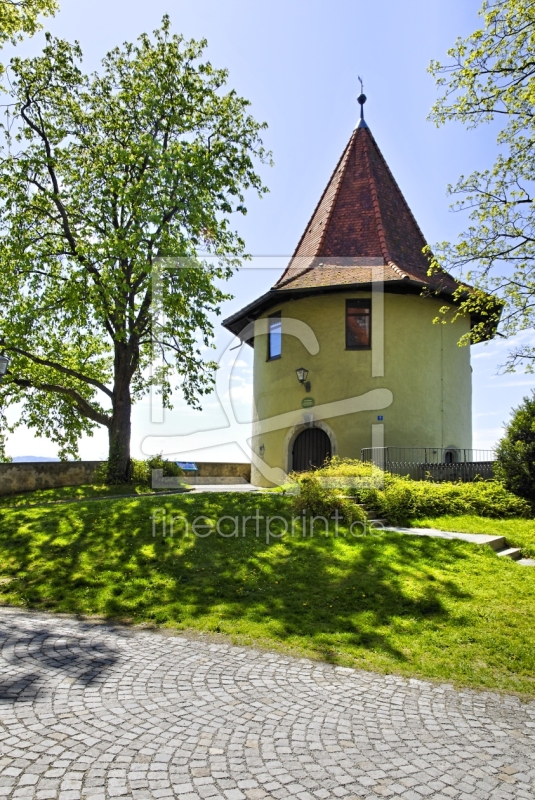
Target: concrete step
(510, 552)
(497, 543)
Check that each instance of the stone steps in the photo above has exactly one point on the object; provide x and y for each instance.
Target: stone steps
(497, 543)
(510, 552)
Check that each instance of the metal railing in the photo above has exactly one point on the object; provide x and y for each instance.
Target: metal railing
(434, 463)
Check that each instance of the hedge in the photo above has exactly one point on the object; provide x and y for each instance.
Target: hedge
(400, 499)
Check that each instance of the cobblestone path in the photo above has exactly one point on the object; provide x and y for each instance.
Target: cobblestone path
(94, 711)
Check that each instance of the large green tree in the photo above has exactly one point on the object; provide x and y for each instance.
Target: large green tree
(22, 16)
(102, 176)
(490, 77)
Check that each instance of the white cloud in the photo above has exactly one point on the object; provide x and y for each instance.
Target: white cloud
(242, 393)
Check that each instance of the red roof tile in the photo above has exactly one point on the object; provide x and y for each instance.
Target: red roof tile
(362, 214)
(362, 231)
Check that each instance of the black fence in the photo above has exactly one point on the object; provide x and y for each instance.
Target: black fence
(433, 463)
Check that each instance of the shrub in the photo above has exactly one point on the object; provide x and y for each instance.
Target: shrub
(350, 468)
(400, 499)
(142, 470)
(358, 479)
(322, 501)
(515, 464)
(406, 499)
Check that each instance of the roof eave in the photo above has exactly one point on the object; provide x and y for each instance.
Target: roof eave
(238, 321)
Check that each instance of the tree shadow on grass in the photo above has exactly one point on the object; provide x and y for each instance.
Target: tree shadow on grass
(322, 592)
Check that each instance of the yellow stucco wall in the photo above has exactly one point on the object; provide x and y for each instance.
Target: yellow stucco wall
(428, 374)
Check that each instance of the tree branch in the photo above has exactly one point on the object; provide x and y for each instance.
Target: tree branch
(65, 224)
(85, 408)
(60, 368)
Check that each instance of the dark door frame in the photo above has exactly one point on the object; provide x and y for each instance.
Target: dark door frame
(317, 449)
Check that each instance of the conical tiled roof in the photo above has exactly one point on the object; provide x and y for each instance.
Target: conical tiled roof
(362, 219)
(362, 231)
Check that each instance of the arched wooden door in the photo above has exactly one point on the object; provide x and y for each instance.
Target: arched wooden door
(311, 449)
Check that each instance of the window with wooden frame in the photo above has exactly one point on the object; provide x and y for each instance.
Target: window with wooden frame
(358, 324)
(274, 336)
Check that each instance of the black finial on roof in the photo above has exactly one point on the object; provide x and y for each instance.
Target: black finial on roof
(361, 99)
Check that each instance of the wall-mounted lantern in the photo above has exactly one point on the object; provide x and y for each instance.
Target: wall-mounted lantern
(302, 375)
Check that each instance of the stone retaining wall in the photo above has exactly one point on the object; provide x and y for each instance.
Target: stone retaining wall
(217, 469)
(26, 476)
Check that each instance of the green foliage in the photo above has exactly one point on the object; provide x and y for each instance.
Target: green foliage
(400, 499)
(352, 472)
(490, 77)
(405, 500)
(357, 479)
(4, 428)
(516, 451)
(105, 180)
(142, 470)
(316, 499)
(21, 16)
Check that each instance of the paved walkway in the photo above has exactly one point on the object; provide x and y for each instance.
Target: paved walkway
(93, 711)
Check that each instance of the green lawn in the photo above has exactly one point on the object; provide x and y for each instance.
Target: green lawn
(68, 493)
(389, 602)
(518, 532)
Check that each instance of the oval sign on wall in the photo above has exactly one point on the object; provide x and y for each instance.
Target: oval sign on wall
(308, 402)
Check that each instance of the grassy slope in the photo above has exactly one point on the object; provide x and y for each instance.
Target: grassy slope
(393, 603)
(518, 532)
(66, 493)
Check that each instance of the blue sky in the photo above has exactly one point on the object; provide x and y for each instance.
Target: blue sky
(298, 63)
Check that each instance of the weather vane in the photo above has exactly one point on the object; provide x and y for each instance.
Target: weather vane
(361, 98)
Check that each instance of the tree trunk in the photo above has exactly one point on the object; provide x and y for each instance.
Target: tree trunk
(121, 425)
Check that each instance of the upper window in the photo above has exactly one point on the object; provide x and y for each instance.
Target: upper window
(358, 324)
(274, 336)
